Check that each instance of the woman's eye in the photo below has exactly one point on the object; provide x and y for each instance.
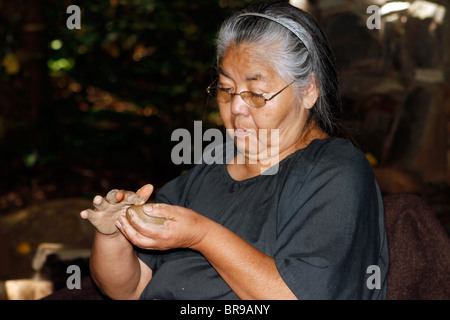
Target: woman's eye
(256, 91)
(256, 94)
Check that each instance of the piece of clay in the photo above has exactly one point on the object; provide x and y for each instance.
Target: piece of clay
(140, 212)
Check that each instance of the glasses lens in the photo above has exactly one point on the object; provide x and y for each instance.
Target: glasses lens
(221, 95)
(253, 99)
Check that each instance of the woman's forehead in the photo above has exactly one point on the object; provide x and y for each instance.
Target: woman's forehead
(247, 62)
(254, 75)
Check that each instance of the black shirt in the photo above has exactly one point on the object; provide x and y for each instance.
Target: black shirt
(320, 216)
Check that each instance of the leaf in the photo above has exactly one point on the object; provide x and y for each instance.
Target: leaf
(11, 63)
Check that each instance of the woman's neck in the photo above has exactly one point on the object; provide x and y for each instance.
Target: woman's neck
(241, 168)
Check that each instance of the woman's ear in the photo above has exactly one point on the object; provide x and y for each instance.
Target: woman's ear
(311, 93)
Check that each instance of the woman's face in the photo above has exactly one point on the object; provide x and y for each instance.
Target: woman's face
(242, 69)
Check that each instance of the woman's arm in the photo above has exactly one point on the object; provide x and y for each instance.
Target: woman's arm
(116, 269)
(250, 273)
(114, 265)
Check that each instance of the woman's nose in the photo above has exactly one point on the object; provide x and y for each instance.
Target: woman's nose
(238, 106)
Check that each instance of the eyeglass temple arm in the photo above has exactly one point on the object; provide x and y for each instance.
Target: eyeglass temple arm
(268, 99)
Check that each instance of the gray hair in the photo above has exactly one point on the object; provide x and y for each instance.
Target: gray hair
(298, 50)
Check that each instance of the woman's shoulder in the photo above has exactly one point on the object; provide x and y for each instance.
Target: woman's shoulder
(331, 174)
(333, 149)
(335, 154)
(332, 159)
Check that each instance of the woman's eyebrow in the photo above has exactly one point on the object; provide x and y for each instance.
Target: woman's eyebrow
(257, 76)
(222, 72)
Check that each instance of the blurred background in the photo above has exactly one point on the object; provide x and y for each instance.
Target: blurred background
(83, 111)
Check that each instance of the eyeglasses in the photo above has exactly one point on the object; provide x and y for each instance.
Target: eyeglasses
(254, 100)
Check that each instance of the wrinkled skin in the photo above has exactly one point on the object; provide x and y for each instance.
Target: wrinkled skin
(107, 210)
(182, 227)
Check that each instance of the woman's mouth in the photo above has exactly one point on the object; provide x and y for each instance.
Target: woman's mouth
(241, 133)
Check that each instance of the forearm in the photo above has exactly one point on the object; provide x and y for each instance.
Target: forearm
(250, 273)
(115, 268)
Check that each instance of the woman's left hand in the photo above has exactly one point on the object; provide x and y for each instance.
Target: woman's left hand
(250, 273)
(183, 228)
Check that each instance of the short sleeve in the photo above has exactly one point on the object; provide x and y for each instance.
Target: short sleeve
(328, 228)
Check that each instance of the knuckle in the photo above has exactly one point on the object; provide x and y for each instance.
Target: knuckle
(134, 198)
(112, 192)
(111, 196)
(165, 236)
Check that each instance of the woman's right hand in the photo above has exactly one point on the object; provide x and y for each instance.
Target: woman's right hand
(107, 210)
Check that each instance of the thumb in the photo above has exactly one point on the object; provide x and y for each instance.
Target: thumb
(145, 192)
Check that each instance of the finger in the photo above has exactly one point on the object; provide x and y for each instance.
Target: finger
(111, 196)
(158, 217)
(135, 221)
(100, 203)
(160, 205)
(133, 198)
(86, 214)
(146, 191)
(133, 235)
(148, 226)
(156, 210)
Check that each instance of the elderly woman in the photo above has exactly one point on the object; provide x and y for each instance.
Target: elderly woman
(309, 230)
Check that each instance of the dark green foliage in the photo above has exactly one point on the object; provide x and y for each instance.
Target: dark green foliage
(83, 111)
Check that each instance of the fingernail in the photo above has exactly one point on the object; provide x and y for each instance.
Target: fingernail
(148, 208)
(118, 224)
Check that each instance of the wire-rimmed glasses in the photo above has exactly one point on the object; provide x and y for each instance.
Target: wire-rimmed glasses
(254, 100)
